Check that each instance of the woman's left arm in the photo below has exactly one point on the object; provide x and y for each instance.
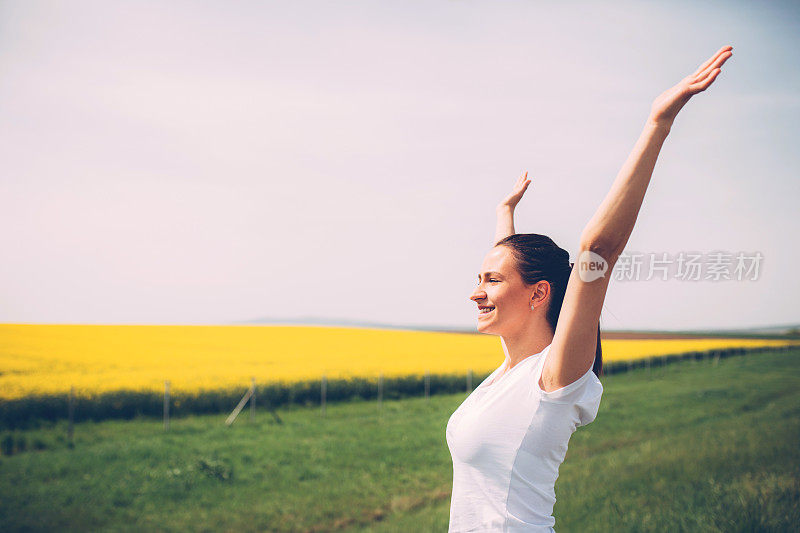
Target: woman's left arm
(605, 236)
(613, 222)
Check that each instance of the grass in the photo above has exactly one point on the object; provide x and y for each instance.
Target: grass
(692, 446)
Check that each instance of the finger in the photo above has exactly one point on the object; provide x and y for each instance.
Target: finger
(716, 64)
(705, 65)
(702, 85)
(702, 77)
(710, 60)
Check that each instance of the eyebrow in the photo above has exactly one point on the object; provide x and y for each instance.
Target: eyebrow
(489, 273)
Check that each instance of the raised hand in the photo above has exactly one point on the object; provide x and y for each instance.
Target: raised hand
(666, 106)
(505, 209)
(516, 193)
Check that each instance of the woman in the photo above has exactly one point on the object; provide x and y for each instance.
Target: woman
(509, 437)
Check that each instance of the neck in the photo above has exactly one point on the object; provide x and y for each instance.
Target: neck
(531, 340)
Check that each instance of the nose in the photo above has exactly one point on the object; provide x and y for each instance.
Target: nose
(477, 295)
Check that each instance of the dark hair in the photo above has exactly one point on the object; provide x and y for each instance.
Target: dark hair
(538, 258)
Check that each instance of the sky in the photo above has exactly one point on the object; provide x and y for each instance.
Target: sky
(219, 162)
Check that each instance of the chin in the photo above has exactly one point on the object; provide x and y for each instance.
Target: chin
(483, 328)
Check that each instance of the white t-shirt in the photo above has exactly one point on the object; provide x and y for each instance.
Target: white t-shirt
(507, 441)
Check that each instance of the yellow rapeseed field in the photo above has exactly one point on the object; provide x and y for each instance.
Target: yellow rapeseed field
(37, 359)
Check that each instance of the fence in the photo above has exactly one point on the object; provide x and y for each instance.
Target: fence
(124, 404)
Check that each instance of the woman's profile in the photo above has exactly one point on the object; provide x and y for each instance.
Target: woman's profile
(510, 435)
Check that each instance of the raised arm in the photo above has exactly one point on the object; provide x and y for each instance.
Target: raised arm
(505, 209)
(605, 236)
(613, 222)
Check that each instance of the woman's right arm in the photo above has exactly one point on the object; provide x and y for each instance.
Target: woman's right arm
(505, 209)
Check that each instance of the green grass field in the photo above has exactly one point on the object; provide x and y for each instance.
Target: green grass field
(690, 447)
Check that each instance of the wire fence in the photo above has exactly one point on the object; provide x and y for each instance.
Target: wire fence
(33, 411)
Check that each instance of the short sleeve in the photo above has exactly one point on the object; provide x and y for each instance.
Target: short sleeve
(568, 393)
(584, 393)
(589, 403)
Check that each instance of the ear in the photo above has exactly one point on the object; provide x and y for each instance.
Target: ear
(540, 293)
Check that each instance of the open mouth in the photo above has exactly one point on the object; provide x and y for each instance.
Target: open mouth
(485, 311)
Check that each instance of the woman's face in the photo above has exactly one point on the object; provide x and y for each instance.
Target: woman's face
(501, 289)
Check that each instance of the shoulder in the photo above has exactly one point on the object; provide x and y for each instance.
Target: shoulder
(586, 386)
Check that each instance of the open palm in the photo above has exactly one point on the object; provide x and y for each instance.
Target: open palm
(666, 106)
(516, 194)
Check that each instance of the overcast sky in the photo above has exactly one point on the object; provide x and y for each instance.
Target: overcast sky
(212, 162)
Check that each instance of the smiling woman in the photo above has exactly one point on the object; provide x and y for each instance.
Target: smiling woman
(531, 262)
(508, 438)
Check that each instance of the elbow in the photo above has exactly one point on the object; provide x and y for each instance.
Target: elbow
(608, 249)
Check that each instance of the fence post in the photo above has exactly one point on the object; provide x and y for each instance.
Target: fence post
(469, 381)
(427, 384)
(324, 392)
(166, 405)
(71, 413)
(253, 399)
(380, 392)
(648, 367)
